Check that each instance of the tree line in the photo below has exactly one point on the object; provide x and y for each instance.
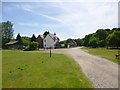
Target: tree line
(101, 38)
(7, 32)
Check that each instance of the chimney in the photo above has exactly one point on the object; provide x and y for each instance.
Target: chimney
(54, 33)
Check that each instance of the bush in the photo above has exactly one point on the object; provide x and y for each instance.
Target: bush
(102, 43)
(32, 46)
(27, 48)
(93, 43)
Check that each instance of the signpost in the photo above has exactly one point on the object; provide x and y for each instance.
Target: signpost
(50, 52)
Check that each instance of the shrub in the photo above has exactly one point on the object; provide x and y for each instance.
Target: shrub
(32, 46)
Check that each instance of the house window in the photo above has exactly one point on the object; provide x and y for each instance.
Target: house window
(54, 39)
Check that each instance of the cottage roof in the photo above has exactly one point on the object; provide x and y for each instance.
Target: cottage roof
(10, 43)
(71, 41)
(53, 36)
(40, 36)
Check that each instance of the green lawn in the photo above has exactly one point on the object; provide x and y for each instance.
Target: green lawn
(103, 52)
(35, 69)
(0, 69)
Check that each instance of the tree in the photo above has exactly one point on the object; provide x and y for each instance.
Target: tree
(93, 42)
(101, 43)
(18, 38)
(26, 41)
(101, 34)
(7, 32)
(45, 33)
(33, 38)
(86, 39)
(32, 46)
(79, 42)
(64, 42)
(113, 39)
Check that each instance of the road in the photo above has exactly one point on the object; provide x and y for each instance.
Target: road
(102, 73)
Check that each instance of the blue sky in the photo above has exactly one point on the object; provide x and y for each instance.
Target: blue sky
(66, 19)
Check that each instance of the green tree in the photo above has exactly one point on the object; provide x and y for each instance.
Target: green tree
(64, 42)
(18, 38)
(93, 41)
(33, 38)
(32, 46)
(7, 32)
(101, 43)
(79, 42)
(86, 39)
(26, 41)
(113, 39)
(101, 34)
(45, 33)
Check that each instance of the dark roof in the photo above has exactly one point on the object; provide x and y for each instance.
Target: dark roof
(10, 43)
(53, 36)
(72, 42)
(40, 36)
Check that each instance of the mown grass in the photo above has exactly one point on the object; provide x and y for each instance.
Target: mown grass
(35, 69)
(0, 69)
(109, 54)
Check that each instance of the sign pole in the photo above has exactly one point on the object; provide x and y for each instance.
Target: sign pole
(50, 52)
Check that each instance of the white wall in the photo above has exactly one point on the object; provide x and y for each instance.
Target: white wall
(49, 42)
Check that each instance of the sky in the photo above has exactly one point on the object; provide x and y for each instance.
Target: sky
(67, 19)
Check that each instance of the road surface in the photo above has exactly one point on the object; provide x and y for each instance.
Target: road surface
(102, 73)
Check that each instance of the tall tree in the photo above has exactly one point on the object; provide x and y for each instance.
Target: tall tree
(7, 32)
(79, 42)
(86, 39)
(45, 33)
(101, 34)
(33, 38)
(18, 38)
(114, 39)
(93, 41)
(26, 40)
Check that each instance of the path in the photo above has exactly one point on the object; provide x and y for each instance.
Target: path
(103, 73)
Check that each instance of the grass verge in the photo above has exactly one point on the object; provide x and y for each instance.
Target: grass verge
(0, 69)
(35, 69)
(109, 54)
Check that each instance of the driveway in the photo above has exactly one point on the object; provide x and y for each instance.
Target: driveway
(101, 72)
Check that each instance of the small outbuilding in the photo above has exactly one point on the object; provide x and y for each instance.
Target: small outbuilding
(14, 45)
(71, 43)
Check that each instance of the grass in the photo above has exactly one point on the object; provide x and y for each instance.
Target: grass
(109, 54)
(0, 69)
(35, 69)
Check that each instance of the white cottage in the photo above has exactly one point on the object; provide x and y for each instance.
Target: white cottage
(51, 40)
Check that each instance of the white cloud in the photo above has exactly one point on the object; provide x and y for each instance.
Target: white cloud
(84, 18)
(52, 18)
(80, 18)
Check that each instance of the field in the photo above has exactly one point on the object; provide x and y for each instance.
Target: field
(105, 53)
(0, 69)
(35, 69)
